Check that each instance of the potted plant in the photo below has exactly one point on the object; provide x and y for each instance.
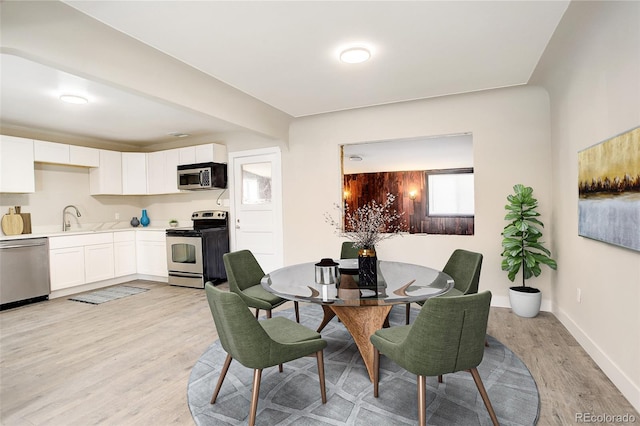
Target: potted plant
(522, 249)
(173, 223)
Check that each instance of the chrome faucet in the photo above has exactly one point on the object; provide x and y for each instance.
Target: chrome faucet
(65, 223)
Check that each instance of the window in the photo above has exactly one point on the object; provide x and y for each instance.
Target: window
(450, 193)
(256, 183)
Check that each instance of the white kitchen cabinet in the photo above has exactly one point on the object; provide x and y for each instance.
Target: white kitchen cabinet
(17, 173)
(66, 267)
(80, 259)
(124, 253)
(107, 177)
(151, 253)
(59, 153)
(162, 172)
(134, 173)
(84, 156)
(50, 152)
(171, 160)
(211, 152)
(98, 262)
(187, 155)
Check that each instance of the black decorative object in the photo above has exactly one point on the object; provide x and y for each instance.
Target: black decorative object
(367, 268)
(135, 222)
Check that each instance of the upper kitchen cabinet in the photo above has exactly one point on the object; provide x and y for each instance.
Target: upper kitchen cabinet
(106, 179)
(134, 173)
(58, 153)
(211, 152)
(162, 169)
(17, 173)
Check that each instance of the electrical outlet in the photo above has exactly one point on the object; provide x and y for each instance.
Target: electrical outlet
(117, 216)
(579, 295)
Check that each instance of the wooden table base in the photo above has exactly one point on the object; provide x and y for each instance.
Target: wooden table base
(361, 322)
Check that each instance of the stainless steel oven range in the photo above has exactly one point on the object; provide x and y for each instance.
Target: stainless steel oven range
(194, 255)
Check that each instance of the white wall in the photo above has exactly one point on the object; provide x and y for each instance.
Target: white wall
(591, 70)
(511, 145)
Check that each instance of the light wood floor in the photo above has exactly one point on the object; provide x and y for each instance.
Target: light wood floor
(127, 362)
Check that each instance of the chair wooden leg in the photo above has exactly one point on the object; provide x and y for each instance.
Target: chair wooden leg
(486, 343)
(408, 312)
(323, 389)
(296, 308)
(269, 314)
(483, 394)
(257, 310)
(376, 370)
(280, 369)
(223, 373)
(439, 378)
(257, 373)
(422, 400)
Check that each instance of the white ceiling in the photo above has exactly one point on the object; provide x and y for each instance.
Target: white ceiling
(285, 54)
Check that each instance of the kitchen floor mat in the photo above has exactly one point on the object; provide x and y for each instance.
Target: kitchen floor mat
(108, 294)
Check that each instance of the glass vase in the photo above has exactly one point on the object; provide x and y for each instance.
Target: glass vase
(144, 219)
(135, 222)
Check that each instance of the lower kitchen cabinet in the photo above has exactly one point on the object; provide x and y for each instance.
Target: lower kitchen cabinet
(98, 262)
(124, 253)
(66, 266)
(80, 259)
(151, 253)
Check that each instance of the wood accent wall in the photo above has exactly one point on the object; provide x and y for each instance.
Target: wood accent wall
(361, 188)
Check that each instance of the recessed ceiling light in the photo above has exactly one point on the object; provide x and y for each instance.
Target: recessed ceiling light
(355, 55)
(355, 158)
(74, 99)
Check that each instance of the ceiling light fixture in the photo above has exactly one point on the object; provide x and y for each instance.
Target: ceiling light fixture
(74, 99)
(179, 134)
(355, 55)
(355, 158)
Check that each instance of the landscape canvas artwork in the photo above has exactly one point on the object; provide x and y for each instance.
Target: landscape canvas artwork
(609, 190)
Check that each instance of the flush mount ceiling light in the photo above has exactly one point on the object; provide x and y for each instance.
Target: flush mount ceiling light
(355, 158)
(179, 134)
(355, 55)
(74, 99)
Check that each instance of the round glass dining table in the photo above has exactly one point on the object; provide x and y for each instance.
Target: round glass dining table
(362, 309)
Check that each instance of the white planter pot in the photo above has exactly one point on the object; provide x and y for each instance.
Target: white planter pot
(525, 304)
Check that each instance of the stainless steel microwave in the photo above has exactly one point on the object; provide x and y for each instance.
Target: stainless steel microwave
(200, 176)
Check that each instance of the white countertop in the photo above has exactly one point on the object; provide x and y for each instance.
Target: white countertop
(86, 229)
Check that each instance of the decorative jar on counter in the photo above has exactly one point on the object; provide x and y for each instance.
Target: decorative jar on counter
(144, 219)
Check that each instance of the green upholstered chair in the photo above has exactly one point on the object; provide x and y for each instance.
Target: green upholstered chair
(244, 275)
(259, 344)
(446, 337)
(348, 251)
(464, 267)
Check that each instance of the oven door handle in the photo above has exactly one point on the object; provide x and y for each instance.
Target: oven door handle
(185, 274)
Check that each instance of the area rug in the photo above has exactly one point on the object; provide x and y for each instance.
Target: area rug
(107, 294)
(293, 396)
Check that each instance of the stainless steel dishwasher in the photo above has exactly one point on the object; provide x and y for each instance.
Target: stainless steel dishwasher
(24, 271)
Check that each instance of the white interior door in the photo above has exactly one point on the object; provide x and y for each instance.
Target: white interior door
(256, 185)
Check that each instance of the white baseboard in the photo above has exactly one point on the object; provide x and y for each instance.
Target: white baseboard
(630, 390)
